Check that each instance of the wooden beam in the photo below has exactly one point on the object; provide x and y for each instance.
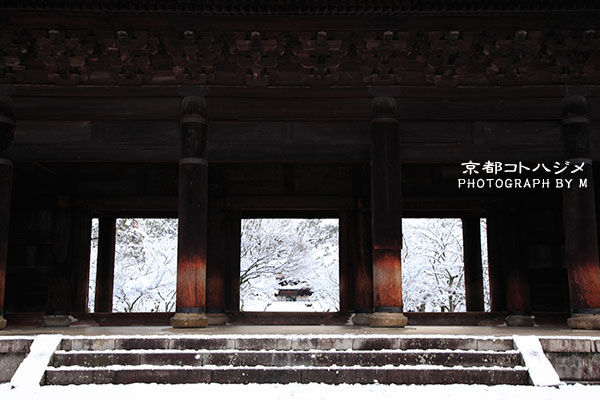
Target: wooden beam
(375, 16)
(283, 109)
(396, 90)
(131, 204)
(283, 203)
(105, 265)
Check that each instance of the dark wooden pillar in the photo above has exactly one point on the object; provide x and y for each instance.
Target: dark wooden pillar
(218, 248)
(105, 264)
(473, 268)
(83, 222)
(518, 299)
(232, 261)
(60, 284)
(581, 244)
(386, 215)
(193, 205)
(346, 259)
(363, 265)
(215, 273)
(7, 124)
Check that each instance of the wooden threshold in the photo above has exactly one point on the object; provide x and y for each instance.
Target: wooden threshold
(34, 319)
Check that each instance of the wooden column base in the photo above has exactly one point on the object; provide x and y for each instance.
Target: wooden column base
(2, 322)
(189, 320)
(520, 320)
(387, 320)
(584, 321)
(217, 318)
(56, 321)
(360, 319)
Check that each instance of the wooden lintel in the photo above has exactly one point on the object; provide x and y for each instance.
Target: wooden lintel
(130, 204)
(317, 203)
(288, 109)
(399, 91)
(252, 153)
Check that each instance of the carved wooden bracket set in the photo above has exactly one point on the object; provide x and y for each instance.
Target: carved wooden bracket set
(320, 58)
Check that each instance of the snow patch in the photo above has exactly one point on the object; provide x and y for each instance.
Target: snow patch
(312, 391)
(145, 367)
(269, 351)
(31, 371)
(295, 336)
(541, 372)
(15, 337)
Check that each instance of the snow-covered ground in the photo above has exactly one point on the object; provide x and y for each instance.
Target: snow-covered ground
(311, 391)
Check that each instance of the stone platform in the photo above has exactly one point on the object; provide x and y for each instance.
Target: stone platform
(303, 354)
(83, 328)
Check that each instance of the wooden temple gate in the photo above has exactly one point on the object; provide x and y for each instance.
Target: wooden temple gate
(210, 112)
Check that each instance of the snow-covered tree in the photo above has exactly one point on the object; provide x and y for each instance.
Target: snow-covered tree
(433, 265)
(485, 265)
(145, 265)
(278, 253)
(93, 262)
(298, 254)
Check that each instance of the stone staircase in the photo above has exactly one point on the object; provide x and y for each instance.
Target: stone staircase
(286, 359)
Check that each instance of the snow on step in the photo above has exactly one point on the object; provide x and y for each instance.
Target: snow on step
(331, 374)
(289, 342)
(31, 370)
(279, 368)
(290, 357)
(541, 372)
(350, 358)
(210, 351)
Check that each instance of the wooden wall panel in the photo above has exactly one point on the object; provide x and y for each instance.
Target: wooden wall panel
(157, 141)
(145, 133)
(521, 132)
(61, 132)
(341, 133)
(294, 109)
(29, 259)
(436, 132)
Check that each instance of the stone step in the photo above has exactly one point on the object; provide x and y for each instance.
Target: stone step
(288, 343)
(299, 374)
(15, 345)
(286, 358)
